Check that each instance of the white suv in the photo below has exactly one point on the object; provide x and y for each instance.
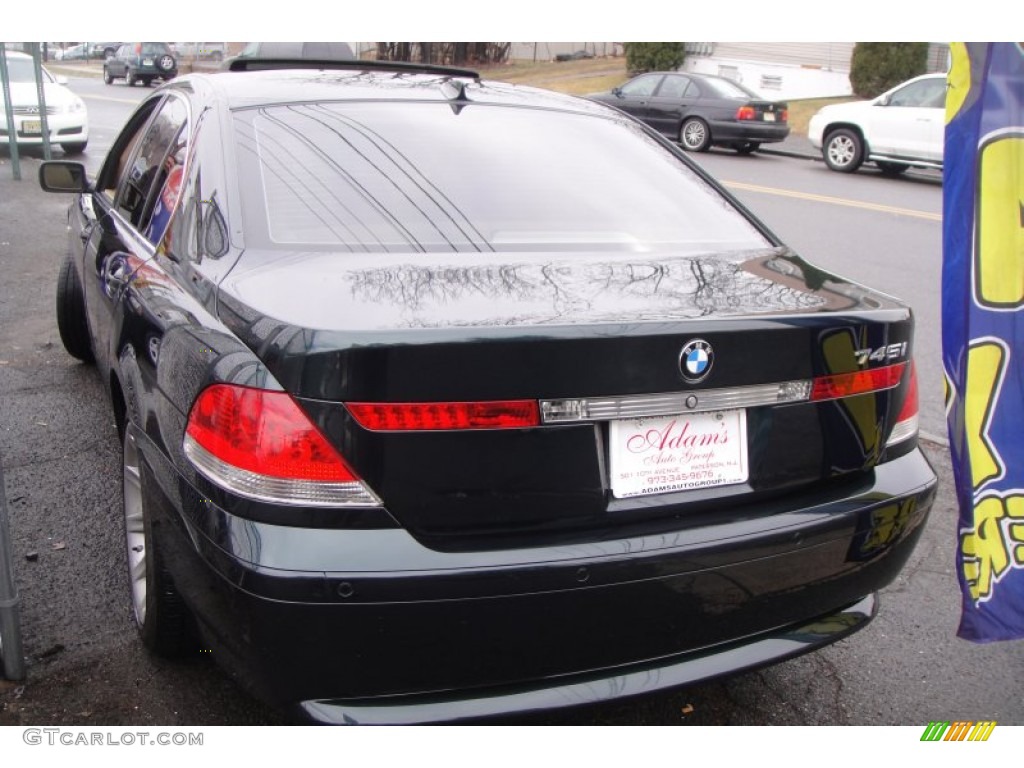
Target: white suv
(901, 128)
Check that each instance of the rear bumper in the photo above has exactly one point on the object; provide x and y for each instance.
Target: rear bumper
(639, 680)
(747, 130)
(371, 626)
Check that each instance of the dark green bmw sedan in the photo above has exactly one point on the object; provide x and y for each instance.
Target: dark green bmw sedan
(444, 399)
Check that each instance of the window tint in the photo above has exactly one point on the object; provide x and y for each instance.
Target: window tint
(198, 229)
(673, 87)
(183, 233)
(725, 89)
(424, 177)
(155, 49)
(167, 187)
(152, 162)
(118, 161)
(641, 86)
(923, 93)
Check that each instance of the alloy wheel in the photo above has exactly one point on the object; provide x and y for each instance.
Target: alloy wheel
(841, 150)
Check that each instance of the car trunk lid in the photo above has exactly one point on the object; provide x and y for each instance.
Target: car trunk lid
(602, 345)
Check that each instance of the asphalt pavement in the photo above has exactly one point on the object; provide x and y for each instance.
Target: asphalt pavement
(795, 145)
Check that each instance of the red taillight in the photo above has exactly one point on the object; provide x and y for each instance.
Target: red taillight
(138, 49)
(746, 113)
(265, 433)
(783, 115)
(906, 425)
(910, 405)
(857, 383)
(501, 414)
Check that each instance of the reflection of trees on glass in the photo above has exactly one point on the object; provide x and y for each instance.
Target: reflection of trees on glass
(579, 291)
(359, 177)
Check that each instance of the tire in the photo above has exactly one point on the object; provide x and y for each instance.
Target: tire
(107, 77)
(147, 81)
(129, 77)
(748, 147)
(163, 621)
(74, 147)
(694, 135)
(843, 150)
(891, 169)
(71, 320)
(165, 63)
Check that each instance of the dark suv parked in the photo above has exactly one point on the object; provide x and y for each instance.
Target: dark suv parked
(140, 61)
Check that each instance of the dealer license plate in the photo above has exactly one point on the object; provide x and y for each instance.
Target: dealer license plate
(147, 62)
(769, 117)
(32, 126)
(678, 453)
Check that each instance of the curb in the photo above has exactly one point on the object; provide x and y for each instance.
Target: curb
(800, 154)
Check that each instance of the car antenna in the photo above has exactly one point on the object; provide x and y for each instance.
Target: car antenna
(455, 92)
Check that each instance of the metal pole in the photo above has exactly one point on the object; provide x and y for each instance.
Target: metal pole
(37, 69)
(11, 654)
(12, 134)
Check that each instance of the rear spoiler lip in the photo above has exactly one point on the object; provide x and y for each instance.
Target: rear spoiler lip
(253, 64)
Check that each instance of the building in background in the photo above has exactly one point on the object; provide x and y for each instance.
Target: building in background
(789, 70)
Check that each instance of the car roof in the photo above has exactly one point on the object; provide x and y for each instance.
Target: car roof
(242, 90)
(696, 75)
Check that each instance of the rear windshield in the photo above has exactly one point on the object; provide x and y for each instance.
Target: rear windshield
(155, 49)
(728, 89)
(414, 176)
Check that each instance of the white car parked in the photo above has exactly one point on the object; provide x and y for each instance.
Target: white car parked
(902, 128)
(66, 116)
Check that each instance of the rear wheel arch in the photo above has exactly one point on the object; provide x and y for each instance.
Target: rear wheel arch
(125, 391)
(117, 404)
(833, 127)
(164, 621)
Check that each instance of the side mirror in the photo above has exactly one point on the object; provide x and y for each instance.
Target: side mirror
(61, 80)
(63, 176)
(883, 101)
(616, 91)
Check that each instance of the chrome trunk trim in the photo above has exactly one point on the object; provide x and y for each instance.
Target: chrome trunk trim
(698, 401)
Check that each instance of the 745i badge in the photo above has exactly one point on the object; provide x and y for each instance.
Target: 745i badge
(880, 355)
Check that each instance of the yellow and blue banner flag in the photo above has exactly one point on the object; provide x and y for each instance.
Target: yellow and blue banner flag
(982, 323)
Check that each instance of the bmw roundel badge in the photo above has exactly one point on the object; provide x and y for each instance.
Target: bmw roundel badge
(695, 360)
